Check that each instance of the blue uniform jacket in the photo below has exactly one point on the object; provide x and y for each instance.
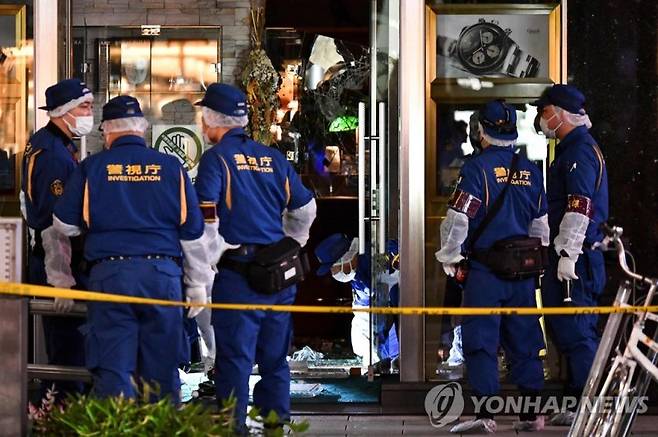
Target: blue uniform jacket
(47, 165)
(133, 201)
(482, 179)
(578, 182)
(252, 185)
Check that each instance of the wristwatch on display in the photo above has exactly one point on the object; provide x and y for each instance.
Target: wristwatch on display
(484, 48)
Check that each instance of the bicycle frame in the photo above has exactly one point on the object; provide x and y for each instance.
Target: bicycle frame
(619, 383)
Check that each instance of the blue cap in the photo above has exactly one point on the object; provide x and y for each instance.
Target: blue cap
(498, 120)
(226, 99)
(567, 97)
(121, 107)
(330, 250)
(63, 92)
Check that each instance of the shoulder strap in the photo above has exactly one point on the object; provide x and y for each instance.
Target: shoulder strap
(599, 157)
(495, 207)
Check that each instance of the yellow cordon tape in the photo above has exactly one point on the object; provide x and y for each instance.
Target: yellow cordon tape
(27, 290)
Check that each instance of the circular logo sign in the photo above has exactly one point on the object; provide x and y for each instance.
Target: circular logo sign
(183, 143)
(444, 404)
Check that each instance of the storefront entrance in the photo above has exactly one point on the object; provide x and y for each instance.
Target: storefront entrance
(351, 125)
(337, 124)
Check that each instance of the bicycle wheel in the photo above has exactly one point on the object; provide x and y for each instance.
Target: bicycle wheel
(606, 416)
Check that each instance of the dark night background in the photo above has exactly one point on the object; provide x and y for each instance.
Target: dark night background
(612, 47)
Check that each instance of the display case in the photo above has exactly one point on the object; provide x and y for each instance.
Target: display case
(15, 73)
(322, 81)
(476, 53)
(483, 51)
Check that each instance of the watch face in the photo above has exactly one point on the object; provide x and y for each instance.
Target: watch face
(482, 48)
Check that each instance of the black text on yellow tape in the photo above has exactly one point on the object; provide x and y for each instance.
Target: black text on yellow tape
(26, 290)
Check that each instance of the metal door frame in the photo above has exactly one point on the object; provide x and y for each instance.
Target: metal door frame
(412, 187)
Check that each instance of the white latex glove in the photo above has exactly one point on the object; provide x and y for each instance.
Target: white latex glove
(566, 269)
(57, 261)
(450, 267)
(63, 305)
(297, 222)
(195, 295)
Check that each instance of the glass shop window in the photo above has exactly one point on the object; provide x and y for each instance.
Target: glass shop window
(166, 72)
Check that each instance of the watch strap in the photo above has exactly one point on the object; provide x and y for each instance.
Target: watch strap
(520, 64)
(446, 46)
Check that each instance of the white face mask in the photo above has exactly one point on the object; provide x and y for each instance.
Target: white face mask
(346, 259)
(83, 125)
(344, 277)
(550, 133)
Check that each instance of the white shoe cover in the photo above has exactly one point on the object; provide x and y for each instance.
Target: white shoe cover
(475, 426)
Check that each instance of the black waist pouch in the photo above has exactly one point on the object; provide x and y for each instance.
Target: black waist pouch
(277, 266)
(515, 258)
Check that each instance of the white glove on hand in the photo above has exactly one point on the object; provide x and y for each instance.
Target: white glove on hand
(566, 269)
(57, 261)
(195, 295)
(451, 267)
(63, 305)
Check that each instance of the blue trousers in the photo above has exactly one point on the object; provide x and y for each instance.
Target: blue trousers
(64, 341)
(520, 336)
(127, 344)
(576, 336)
(247, 337)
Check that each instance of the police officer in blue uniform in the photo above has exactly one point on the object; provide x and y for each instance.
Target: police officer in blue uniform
(522, 214)
(142, 222)
(47, 165)
(339, 255)
(252, 198)
(577, 205)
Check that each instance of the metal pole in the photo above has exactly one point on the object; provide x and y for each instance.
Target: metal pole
(68, 41)
(59, 373)
(361, 157)
(45, 54)
(13, 333)
(373, 178)
(412, 186)
(13, 356)
(381, 189)
(47, 307)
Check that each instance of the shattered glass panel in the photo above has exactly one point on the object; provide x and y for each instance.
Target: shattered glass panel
(335, 81)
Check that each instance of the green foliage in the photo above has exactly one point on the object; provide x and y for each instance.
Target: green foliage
(87, 416)
(271, 426)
